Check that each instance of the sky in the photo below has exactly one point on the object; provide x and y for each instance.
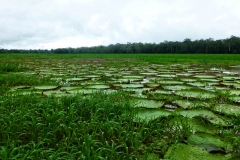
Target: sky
(50, 24)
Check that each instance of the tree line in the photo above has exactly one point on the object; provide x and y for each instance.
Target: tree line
(228, 45)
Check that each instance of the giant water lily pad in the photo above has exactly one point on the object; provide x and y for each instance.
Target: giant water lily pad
(186, 104)
(209, 83)
(227, 109)
(185, 74)
(229, 84)
(46, 88)
(122, 80)
(150, 114)
(136, 90)
(131, 85)
(169, 82)
(152, 85)
(205, 114)
(99, 86)
(188, 152)
(195, 124)
(197, 84)
(146, 103)
(209, 142)
(204, 76)
(76, 79)
(231, 78)
(66, 88)
(234, 91)
(210, 80)
(92, 76)
(200, 94)
(161, 91)
(235, 99)
(188, 80)
(20, 88)
(167, 75)
(149, 73)
(177, 87)
(133, 77)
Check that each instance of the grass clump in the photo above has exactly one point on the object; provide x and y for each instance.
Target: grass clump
(13, 79)
(68, 128)
(11, 67)
(98, 126)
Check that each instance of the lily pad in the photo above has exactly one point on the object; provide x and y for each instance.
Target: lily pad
(46, 88)
(200, 94)
(195, 124)
(169, 82)
(234, 91)
(227, 109)
(150, 114)
(20, 88)
(131, 85)
(133, 77)
(161, 91)
(167, 75)
(76, 79)
(210, 80)
(205, 114)
(231, 78)
(188, 80)
(145, 103)
(92, 76)
(98, 86)
(152, 85)
(235, 99)
(198, 84)
(188, 152)
(177, 87)
(204, 76)
(209, 142)
(186, 104)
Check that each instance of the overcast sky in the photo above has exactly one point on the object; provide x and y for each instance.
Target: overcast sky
(49, 24)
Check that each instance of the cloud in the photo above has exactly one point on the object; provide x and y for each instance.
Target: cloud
(73, 23)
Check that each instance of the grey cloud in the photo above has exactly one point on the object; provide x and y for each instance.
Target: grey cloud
(73, 23)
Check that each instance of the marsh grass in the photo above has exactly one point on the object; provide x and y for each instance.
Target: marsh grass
(98, 126)
(13, 79)
(6, 67)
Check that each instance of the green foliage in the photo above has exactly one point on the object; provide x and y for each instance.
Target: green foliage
(13, 79)
(98, 126)
(10, 67)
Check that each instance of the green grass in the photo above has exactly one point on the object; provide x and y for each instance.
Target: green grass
(99, 126)
(208, 59)
(10, 67)
(13, 79)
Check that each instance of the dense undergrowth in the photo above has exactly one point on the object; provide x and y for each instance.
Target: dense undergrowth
(10, 67)
(14, 79)
(99, 126)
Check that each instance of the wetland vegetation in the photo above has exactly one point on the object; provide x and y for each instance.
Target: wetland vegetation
(105, 106)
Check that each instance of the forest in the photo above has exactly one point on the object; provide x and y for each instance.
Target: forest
(228, 45)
